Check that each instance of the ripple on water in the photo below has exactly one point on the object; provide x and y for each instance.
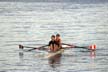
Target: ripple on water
(32, 24)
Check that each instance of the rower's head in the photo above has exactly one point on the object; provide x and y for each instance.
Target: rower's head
(57, 35)
(53, 37)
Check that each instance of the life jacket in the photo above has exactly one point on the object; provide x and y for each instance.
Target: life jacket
(58, 42)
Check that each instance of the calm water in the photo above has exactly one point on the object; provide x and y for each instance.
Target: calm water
(33, 23)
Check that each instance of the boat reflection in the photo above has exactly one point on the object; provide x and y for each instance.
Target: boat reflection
(55, 60)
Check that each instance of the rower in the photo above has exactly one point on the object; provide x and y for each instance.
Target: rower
(58, 40)
(53, 45)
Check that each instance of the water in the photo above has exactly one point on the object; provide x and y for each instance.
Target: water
(32, 24)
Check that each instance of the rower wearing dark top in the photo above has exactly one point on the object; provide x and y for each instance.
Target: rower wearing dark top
(53, 45)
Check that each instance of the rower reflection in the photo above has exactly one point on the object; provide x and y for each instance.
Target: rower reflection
(21, 55)
(55, 60)
(92, 54)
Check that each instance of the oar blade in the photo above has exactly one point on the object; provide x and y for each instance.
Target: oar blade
(21, 46)
(92, 47)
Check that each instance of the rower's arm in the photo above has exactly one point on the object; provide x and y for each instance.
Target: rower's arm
(49, 45)
(60, 42)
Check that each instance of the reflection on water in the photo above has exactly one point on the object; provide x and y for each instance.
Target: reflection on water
(92, 54)
(21, 55)
(55, 60)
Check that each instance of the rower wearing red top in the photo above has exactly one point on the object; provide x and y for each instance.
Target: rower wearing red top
(58, 40)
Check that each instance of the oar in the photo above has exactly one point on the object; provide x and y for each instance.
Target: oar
(91, 47)
(33, 48)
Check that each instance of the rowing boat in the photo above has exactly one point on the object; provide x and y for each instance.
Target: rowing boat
(51, 54)
(64, 46)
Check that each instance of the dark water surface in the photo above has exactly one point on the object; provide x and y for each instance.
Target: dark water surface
(32, 24)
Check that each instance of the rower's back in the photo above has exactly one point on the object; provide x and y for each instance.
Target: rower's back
(58, 40)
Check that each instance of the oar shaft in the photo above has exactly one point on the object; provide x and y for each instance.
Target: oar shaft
(80, 47)
(41, 48)
(29, 47)
(33, 48)
(91, 47)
